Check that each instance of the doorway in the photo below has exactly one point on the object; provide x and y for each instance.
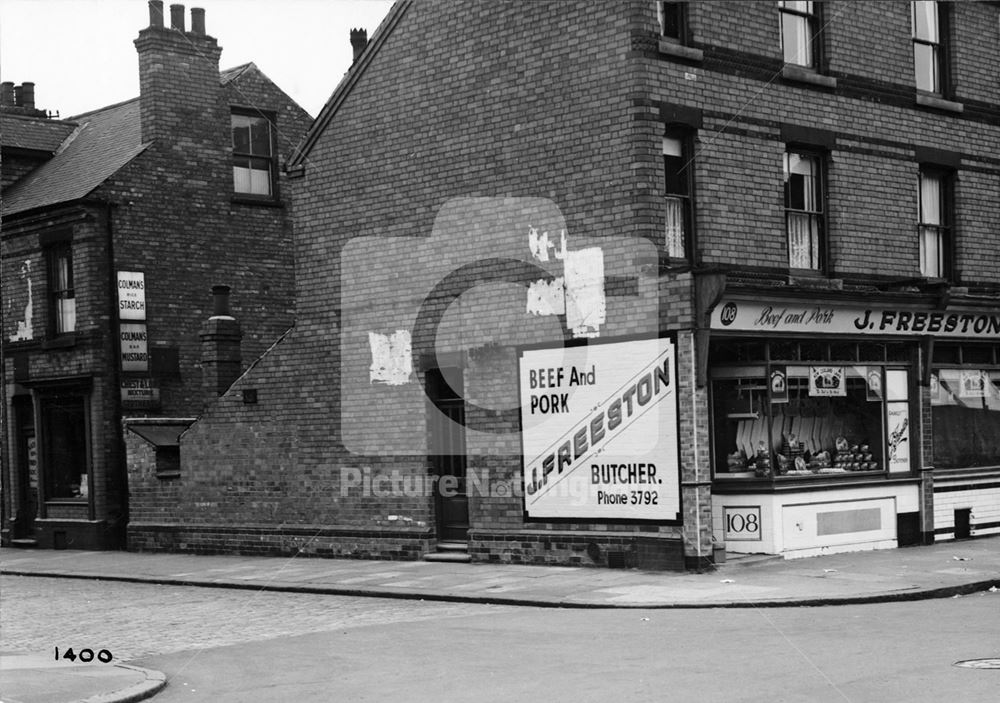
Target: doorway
(446, 452)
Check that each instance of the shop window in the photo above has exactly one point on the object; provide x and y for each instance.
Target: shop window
(933, 225)
(965, 416)
(62, 295)
(800, 33)
(254, 163)
(673, 21)
(802, 421)
(64, 446)
(929, 51)
(677, 169)
(804, 209)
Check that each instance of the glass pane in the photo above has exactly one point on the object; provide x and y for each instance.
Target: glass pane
(797, 5)
(868, 351)
(925, 20)
(260, 182)
(676, 175)
(670, 19)
(895, 384)
(803, 240)
(975, 354)
(241, 134)
(742, 429)
(675, 227)
(843, 351)
(673, 146)
(260, 137)
(241, 179)
(795, 40)
(925, 67)
(931, 190)
(931, 252)
(965, 414)
(65, 315)
(784, 351)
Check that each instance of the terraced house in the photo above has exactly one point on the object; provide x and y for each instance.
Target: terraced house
(627, 283)
(116, 226)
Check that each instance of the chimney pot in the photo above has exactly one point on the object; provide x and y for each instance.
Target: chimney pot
(28, 95)
(17, 95)
(155, 13)
(177, 17)
(198, 21)
(7, 94)
(359, 40)
(220, 300)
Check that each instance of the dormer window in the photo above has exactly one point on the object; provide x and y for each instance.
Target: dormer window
(254, 163)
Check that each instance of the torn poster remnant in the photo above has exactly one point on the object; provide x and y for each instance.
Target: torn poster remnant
(392, 361)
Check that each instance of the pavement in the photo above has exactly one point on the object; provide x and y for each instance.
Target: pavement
(947, 569)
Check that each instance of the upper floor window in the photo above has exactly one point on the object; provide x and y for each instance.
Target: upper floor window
(928, 46)
(673, 20)
(254, 163)
(677, 191)
(933, 228)
(804, 196)
(62, 298)
(799, 33)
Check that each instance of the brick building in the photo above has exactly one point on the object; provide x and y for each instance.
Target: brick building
(116, 226)
(615, 283)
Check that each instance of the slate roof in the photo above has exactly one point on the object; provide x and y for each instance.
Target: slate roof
(231, 74)
(103, 142)
(34, 133)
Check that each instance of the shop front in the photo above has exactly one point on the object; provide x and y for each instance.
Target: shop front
(829, 420)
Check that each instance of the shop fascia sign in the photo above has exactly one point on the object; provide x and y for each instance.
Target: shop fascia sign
(599, 431)
(789, 317)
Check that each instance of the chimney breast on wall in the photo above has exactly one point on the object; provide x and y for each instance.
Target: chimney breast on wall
(155, 13)
(177, 17)
(359, 40)
(198, 21)
(221, 357)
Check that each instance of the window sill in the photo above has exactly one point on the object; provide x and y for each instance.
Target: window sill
(680, 51)
(259, 201)
(167, 475)
(63, 341)
(817, 482)
(800, 74)
(939, 103)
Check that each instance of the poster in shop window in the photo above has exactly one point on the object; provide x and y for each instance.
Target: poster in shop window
(827, 381)
(898, 414)
(972, 383)
(599, 431)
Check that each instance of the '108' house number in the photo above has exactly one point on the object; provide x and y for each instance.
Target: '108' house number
(741, 523)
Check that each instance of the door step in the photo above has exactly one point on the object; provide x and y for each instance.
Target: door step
(450, 551)
(24, 543)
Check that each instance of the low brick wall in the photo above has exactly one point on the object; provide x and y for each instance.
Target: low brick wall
(605, 550)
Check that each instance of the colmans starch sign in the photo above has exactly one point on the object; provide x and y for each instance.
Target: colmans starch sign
(599, 431)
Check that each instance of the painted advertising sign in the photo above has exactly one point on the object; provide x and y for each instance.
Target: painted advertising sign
(599, 431)
(139, 392)
(131, 295)
(134, 350)
(755, 316)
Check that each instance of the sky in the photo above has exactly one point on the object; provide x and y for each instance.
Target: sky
(80, 55)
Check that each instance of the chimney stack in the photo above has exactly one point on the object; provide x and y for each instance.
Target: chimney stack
(221, 358)
(198, 21)
(177, 17)
(155, 13)
(28, 96)
(359, 40)
(7, 94)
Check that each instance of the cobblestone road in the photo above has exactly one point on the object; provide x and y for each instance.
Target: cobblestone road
(135, 620)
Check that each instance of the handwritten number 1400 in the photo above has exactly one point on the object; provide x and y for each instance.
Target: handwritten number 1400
(85, 655)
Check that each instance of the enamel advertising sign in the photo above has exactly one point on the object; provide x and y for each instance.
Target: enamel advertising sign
(599, 431)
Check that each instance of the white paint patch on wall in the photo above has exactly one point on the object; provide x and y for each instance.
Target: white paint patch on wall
(392, 361)
(547, 297)
(539, 245)
(586, 307)
(25, 329)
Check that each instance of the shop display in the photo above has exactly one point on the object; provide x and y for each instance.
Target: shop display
(800, 435)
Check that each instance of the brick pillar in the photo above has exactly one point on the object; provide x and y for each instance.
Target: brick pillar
(221, 359)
